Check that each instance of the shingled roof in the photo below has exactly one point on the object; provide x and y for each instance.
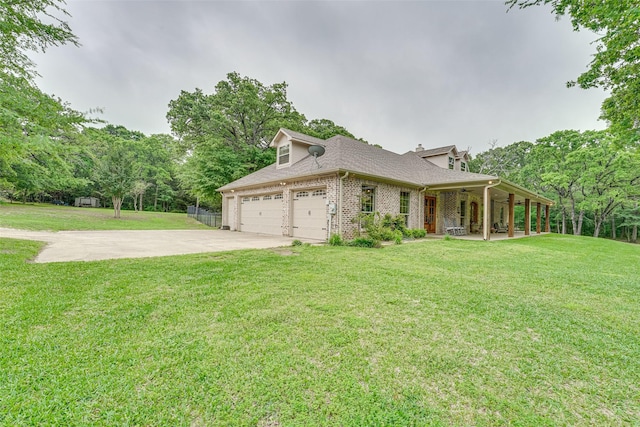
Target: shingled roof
(343, 154)
(436, 151)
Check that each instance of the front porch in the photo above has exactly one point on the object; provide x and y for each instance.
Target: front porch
(488, 210)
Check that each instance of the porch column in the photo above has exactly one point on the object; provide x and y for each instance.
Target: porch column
(547, 222)
(486, 227)
(527, 217)
(538, 218)
(512, 202)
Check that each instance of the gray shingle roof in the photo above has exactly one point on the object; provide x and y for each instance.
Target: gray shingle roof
(346, 154)
(435, 151)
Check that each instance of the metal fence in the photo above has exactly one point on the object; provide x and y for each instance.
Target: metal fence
(212, 219)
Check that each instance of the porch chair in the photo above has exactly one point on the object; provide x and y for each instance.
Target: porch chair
(500, 228)
(451, 228)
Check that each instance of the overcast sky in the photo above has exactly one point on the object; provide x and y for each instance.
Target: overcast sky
(396, 73)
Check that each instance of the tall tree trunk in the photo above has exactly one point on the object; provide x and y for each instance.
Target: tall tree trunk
(135, 203)
(140, 204)
(155, 200)
(117, 204)
(613, 227)
(596, 229)
(634, 231)
(580, 220)
(564, 221)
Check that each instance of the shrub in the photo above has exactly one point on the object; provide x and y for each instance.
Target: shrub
(296, 243)
(418, 233)
(382, 228)
(365, 242)
(335, 240)
(397, 238)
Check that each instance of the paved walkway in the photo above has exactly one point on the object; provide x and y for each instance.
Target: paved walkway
(65, 246)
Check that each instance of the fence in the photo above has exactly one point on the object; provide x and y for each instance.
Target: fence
(212, 219)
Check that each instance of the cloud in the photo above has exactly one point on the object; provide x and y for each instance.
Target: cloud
(394, 73)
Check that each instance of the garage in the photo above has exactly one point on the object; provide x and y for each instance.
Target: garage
(310, 214)
(261, 214)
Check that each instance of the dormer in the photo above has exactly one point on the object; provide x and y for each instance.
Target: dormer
(446, 157)
(291, 147)
(462, 161)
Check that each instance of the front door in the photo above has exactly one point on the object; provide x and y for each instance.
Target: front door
(430, 214)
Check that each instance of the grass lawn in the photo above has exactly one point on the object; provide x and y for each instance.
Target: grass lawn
(541, 331)
(58, 218)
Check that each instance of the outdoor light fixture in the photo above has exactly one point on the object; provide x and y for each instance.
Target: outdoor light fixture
(283, 183)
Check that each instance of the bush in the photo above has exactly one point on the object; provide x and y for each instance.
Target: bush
(365, 242)
(397, 238)
(418, 233)
(296, 243)
(335, 240)
(382, 228)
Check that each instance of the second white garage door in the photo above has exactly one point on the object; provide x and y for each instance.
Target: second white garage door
(262, 214)
(310, 214)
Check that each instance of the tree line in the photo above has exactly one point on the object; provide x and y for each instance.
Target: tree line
(49, 151)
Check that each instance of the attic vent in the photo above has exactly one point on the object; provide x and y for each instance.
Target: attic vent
(419, 148)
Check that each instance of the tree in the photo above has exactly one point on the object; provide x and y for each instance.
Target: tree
(325, 129)
(225, 135)
(615, 65)
(241, 113)
(116, 171)
(35, 128)
(24, 29)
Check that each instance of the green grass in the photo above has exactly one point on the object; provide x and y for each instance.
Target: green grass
(532, 332)
(59, 218)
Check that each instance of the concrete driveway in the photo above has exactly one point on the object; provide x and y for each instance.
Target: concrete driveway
(65, 246)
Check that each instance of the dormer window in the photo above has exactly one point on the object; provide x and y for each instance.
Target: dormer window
(452, 162)
(463, 166)
(283, 154)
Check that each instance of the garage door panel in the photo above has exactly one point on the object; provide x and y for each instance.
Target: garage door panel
(310, 214)
(261, 214)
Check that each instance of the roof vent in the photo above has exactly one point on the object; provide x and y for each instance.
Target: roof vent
(419, 148)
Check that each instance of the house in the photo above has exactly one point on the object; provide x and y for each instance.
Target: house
(313, 196)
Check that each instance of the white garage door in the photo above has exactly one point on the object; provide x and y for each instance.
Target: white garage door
(310, 214)
(261, 214)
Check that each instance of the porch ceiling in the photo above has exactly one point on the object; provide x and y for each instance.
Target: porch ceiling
(499, 193)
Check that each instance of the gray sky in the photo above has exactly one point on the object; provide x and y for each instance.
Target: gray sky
(396, 73)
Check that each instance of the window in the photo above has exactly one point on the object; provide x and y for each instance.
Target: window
(266, 198)
(283, 154)
(302, 194)
(463, 166)
(255, 198)
(463, 208)
(405, 198)
(245, 199)
(319, 193)
(452, 162)
(277, 196)
(368, 198)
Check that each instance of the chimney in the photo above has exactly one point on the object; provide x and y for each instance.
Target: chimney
(419, 148)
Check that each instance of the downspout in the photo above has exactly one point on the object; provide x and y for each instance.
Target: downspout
(346, 174)
(486, 230)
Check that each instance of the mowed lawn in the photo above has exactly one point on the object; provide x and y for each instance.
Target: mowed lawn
(58, 218)
(543, 331)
